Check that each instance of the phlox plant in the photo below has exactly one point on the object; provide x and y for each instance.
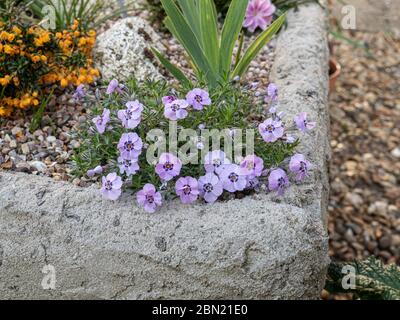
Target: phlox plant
(210, 50)
(118, 144)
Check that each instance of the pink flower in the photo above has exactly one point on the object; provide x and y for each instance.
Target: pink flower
(168, 99)
(210, 187)
(111, 188)
(102, 120)
(252, 166)
(130, 146)
(232, 179)
(168, 166)
(187, 189)
(130, 167)
(215, 161)
(176, 110)
(259, 14)
(149, 198)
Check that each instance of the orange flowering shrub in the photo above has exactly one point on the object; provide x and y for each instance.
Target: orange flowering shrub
(32, 58)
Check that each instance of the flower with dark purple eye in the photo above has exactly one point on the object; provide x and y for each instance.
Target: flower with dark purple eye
(259, 14)
(302, 122)
(79, 92)
(168, 99)
(252, 166)
(168, 166)
(300, 166)
(272, 93)
(149, 198)
(111, 186)
(232, 179)
(198, 98)
(102, 120)
(131, 116)
(271, 130)
(176, 110)
(252, 183)
(187, 189)
(130, 146)
(278, 181)
(128, 166)
(215, 160)
(210, 187)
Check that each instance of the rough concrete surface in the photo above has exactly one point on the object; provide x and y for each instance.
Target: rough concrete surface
(259, 247)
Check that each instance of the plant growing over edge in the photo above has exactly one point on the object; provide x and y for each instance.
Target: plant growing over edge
(194, 24)
(155, 140)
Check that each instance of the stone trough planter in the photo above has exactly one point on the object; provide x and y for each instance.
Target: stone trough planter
(259, 247)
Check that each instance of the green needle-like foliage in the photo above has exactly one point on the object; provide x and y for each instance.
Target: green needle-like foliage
(374, 281)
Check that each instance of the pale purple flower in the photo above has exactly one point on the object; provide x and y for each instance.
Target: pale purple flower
(202, 126)
(290, 139)
(111, 188)
(131, 116)
(300, 166)
(272, 93)
(168, 167)
(130, 146)
(302, 122)
(168, 99)
(210, 187)
(252, 166)
(271, 130)
(149, 198)
(187, 189)
(114, 86)
(79, 92)
(176, 110)
(232, 178)
(128, 166)
(92, 172)
(278, 181)
(198, 98)
(252, 183)
(102, 120)
(215, 160)
(259, 14)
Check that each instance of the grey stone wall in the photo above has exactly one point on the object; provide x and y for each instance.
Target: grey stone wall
(260, 247)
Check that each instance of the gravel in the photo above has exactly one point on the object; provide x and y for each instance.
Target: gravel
(364, 204)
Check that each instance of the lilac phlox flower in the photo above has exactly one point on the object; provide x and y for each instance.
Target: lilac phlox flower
(259, 13)
(79, 92)
(128, 166)
(130, 146)
(168, 167)
(114, 86)
(111, 188)
(176, 110)
(198, 98)
(300, 166)
(232, 178)
(252, 166)
(187, 189)
(168, 99)
(214, 161)
(149, 198)
(210, 187)
(92, 172)
(102, 120)
(272, 93)
(302, 122)
(278, 181)
(271, 130)
(252, 183)
(131, 116)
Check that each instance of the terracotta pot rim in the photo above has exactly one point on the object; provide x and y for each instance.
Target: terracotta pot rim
(334, 65)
